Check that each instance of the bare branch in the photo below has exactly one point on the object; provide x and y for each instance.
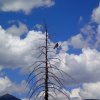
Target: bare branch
(55, 67)
(33, 71)
(43, 78)
(28, 81)
(37, 88)
(61, 92)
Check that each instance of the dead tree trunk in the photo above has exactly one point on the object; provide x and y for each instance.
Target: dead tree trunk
(49, 80)
(46, 68)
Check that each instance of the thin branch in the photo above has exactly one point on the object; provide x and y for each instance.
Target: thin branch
(55, 67)
(55, 77)
(28, 82)
(33, 71)
(61, 92)
(51, 96)
(37, 88)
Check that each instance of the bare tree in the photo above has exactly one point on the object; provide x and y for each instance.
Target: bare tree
(43, 78)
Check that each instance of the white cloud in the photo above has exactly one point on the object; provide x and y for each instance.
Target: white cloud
(88, 37)
(55, 95)
(98, 29)
(24, 5)
(75, 93)
(88, 30)
(78, 41)
(81, 67)
(60, 96)
(90, 90)
(4, 84)
(7, 86)
(97, 45)
(87, 91)
(90, 33)
(96, 15)
(18, 53)
(15, 52)
(64, 46)
(17, 30)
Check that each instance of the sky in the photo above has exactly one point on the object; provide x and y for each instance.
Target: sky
(75, 25)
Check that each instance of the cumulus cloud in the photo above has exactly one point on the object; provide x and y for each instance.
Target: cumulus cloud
(16, 52)
(24, 5)
(89, 36)
(74, 95)
(17, 30)
(82, 66)
(90, 90)
(85, 66)
(78, 41)
(87, 91)
(54, 95)
(7, 86)
(86, 38)
(96, 15)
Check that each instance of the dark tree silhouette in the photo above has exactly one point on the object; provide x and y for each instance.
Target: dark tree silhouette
(42, 78)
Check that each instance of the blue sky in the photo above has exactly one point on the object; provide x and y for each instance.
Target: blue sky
(74, 24)
(63, 17)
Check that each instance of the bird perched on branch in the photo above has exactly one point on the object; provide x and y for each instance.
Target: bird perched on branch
(56, 45)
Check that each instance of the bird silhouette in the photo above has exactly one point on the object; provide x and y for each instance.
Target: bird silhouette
(56, 45)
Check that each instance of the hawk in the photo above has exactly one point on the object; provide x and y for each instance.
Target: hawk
(56, 45)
